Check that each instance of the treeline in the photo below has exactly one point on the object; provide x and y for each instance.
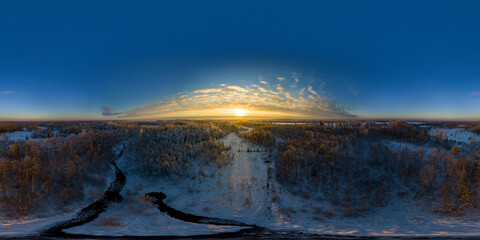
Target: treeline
(10, 126)
(399, 130)
(473, 126)
(65, 159)
(349, 163)
(354, 167)
(261, 136)
(172, 150)
(54, 172)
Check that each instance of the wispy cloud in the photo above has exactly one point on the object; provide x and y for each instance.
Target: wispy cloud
(237, 88)
(474, 93)
(313, 92)
(108, 111)
(275, 98)
(210, 90)
(6, 92)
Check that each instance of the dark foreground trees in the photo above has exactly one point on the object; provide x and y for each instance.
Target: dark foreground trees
(53, 173)
(354, 165)
(359, 167)
(171, 150)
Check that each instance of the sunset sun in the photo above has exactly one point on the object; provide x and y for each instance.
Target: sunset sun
(240, 112)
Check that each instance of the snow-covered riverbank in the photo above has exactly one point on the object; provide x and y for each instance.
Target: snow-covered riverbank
(245, 191)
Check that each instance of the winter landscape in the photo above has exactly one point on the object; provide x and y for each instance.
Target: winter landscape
(228, 119)
(240, 178)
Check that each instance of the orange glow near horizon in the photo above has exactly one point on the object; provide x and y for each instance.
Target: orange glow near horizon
(223, 113)
(256, 100)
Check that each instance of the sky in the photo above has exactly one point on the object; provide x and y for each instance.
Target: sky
(275, 59)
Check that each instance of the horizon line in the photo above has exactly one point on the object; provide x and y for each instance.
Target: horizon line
(241, 118)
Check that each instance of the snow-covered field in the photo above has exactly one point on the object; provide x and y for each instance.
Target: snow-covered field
(290, 123)
(292, 212)
(19, 135)
(238, 191)
(457, 134)
(140, 218)
(400, 145)
(34, 225)
(137, 217)
(22, 136)
(29, 226)
(400, 218)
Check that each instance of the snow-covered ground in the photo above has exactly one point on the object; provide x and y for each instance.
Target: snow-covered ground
(238, 191)
(29, 226)
(140, 218)
(457, 134)
(398, 218)
(290, 123)
(19, 135)
(293, 212)
(33, 225)
(400, 145)
(416, 123)
(137, 217)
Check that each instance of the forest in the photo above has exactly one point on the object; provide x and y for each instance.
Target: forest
(354, 165)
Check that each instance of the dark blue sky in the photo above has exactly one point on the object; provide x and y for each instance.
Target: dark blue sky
(380, 59)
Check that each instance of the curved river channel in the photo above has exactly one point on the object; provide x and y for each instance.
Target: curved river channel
(112, 194)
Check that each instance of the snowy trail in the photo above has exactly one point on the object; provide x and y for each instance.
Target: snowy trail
(93, 210)
(241, 177)
(241, 191)
(247, 178)
(237, 190)
(241, 180)
(247, 181)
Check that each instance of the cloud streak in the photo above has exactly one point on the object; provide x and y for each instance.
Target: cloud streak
(6, 92)
(270, 100)
(108, 111)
